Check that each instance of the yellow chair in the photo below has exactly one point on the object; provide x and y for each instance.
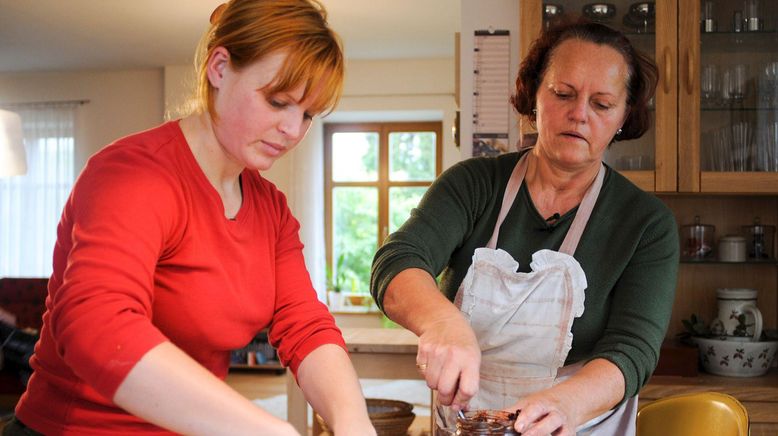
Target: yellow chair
(703, 414)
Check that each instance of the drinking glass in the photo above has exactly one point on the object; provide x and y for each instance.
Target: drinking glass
(768, 85)
(741, 146)
(709, 85)
(752, 16)
(708, 22)
(737, 81)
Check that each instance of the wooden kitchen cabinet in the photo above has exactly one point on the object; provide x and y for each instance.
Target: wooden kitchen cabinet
(651, 161)
(675, 159)
(716, 144)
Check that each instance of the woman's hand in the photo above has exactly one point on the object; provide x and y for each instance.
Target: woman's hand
(544, 413)
(449, 356)
(591, 391)
(450, 359)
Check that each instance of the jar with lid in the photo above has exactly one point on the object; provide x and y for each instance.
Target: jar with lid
(697, 240)
(759, 240)
(732, 248)
(486, 422)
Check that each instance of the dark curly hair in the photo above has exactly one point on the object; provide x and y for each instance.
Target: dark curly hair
(641, 81)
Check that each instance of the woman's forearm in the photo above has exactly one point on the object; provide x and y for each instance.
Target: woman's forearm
(598, 387)
(168, 388)
(330, 385)
(414, 301)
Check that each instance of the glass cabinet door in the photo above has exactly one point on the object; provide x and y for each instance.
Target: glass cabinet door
(649, 161)
(732, 77)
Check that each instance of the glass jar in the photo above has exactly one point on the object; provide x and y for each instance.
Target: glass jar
(759, 240)
(697, 240)
(486, 422)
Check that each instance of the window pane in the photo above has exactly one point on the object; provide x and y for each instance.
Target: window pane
(354, 236)
(411, 156)
(354, 156)
(401, 201)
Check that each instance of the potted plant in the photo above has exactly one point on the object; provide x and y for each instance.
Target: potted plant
(335, 283)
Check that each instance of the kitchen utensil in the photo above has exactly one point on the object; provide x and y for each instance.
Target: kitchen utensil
(732, 248)
(759, 240)
(738, 315)
(697, 240)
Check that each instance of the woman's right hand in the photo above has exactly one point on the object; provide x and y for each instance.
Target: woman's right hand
(450, 359)
(449, 356)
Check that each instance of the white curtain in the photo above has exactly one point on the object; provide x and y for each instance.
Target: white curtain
(31, 204)
(300, 175)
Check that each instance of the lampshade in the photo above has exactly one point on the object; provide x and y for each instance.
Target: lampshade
(13, 160)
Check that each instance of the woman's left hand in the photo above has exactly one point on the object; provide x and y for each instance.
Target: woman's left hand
(544, 413)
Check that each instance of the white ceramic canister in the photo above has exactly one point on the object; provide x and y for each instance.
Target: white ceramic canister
(732, 248)
(733, 302)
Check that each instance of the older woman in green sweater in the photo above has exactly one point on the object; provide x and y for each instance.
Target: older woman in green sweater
(557, 275)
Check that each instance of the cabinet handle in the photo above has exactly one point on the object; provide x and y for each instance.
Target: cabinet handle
(668, 70)
(689, 73)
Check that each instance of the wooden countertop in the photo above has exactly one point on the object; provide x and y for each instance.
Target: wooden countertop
(380, 340)
(758, 394)
(764, 388)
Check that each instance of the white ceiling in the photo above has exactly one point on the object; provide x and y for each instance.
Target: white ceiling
(60, 35)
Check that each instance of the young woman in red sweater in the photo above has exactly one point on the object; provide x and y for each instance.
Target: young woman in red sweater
(173, 250)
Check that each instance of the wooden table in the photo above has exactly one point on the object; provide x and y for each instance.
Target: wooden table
(375, 352)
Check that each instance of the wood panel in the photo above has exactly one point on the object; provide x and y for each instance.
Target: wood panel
(688, 97)
(644, 180)
(666, 169)
(697, 282)
(734, 182)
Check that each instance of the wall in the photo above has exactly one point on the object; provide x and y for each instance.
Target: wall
(120, 102)
(374, 90)
(123, 102)
(485, 15)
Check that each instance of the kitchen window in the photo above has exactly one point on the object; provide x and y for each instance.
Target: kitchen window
(375, 173)
(31, 204)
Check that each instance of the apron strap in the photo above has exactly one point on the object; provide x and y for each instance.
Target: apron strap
(517, 176)
(578, 225)
(582, 215)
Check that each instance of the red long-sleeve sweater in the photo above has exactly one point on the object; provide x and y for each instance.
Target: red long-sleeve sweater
(144, 254)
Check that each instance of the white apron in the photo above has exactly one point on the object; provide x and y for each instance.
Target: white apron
(522, 320)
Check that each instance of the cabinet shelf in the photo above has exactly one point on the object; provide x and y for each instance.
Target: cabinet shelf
(735, 42)
(737, 109)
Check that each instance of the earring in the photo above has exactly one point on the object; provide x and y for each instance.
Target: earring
(618, 132)
(534, 111)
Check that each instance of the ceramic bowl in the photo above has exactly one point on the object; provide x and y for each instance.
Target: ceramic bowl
(734, 357)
